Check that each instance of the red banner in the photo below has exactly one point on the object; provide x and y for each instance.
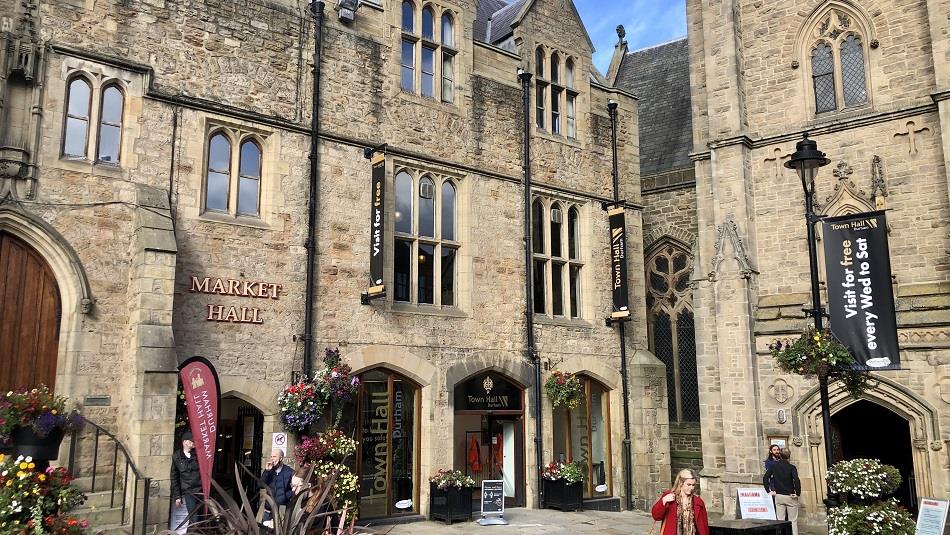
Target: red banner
(202, 396)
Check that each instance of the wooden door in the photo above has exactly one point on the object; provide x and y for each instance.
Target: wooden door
(29, 317)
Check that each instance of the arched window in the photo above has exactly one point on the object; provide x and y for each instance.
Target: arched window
(671, 327)
(110, 125)
(537, 226)
(569, 73)
(555, 68)
(249, 179)
(387, 421)
(448, 30)
(837, 55)
(557, 260)
(408, 16)
(428, 23)
(425, 256)
(573, 248)
(582, 435)
(219, 173)
(76, 129)
(539, 62)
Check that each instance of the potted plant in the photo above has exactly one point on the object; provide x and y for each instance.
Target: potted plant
(33, 423)
(564, 389)
(450, 496)
(562, 485)
(818, 353)
(863, 486)
(35, 500)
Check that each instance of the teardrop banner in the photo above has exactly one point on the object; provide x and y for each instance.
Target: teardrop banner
(199, 380)
(860, 295)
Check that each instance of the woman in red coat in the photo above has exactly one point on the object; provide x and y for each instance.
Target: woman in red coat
(681, 511)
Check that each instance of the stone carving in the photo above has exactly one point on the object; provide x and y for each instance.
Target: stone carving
(776, 161)
(943, 389)
(834, 24)
(781, 391)
(798, 440)
(842, 170)
(814, 440)
(845, 198)
(936, 445)
(920, 444)
(621, 33)
(911, 133)
(85, 306)
(731, 230)
(878, 183)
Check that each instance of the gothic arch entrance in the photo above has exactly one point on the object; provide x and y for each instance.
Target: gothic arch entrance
(868, 430)
(31, 309)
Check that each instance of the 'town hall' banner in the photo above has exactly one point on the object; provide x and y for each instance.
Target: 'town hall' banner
(860, 295)
(618, 264)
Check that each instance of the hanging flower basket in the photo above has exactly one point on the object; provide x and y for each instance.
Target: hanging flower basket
(818, 353)
(301, 405)
(564, 389)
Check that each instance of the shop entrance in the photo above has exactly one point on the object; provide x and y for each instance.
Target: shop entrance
(489, 432)
(240, 440)
(868, 430)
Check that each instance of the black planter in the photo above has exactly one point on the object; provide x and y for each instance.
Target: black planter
(559, 494)
(28, 444)
(450, 504)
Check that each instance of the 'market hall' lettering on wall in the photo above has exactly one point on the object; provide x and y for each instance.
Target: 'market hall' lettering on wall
(238, 288)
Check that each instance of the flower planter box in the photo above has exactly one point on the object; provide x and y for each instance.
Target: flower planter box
(559, 494)
(450, 504)
(27, 443)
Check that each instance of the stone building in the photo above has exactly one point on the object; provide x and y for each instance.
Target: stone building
(869, 81)
(155, 179)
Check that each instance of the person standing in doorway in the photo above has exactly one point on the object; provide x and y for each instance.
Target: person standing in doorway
(278, 478)
(781, 481)
(775, 454)
(680, 510)
(185, 476)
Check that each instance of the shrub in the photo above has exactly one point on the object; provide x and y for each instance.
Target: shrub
(886, 516)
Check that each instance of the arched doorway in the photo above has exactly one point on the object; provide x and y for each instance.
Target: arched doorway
(582, 435)
(868, 430)
(31, 310)
(489, 432)
(240, 441)
(386, 419)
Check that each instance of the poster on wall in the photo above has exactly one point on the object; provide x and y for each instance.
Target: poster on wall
(199, 380)
(860, 294)
(618, 264)
(376, 225)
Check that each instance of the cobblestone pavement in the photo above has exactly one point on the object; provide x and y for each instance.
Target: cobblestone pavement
(536, 522)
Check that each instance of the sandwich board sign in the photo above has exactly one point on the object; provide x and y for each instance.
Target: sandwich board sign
(755, 503)
(493, 503)
(932, 516)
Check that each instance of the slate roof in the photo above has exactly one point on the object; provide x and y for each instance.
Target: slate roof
(501, 14)
(485, 9)
(659, 77)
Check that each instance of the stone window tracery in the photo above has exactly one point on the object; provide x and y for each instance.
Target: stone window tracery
(555, 96)
(558, 263)
(425, 246)
(93, 132)
(838, 63)
(233, 169)
(434, 53)
(672, 329)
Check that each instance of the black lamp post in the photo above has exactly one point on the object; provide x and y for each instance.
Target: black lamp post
(806, 160)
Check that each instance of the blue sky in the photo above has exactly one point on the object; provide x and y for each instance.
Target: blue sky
(648, 22)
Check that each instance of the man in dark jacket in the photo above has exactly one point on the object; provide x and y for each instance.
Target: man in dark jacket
(781, 481)
(277, 477)
(186, 479)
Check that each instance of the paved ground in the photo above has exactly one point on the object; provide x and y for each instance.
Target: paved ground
(536, 522)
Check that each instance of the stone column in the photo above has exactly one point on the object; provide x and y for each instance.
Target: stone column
(939, 30)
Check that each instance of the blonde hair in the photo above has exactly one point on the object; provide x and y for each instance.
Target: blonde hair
(681, 477)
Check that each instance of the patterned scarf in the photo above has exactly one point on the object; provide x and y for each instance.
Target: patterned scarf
(685, 522)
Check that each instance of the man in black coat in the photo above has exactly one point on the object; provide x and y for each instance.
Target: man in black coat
(277, 476)
(781, 481)
(185, 476)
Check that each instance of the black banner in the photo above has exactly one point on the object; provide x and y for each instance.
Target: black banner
(860, 295)
(376, 224)
(618, 264)
(493, 496)
(488, 392)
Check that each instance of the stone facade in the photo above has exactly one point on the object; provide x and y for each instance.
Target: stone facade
(752, 98)
(129, 240)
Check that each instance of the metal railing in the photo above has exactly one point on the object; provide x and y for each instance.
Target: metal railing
(129, 466)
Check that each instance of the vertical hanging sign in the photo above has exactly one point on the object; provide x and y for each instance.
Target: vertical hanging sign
(199, 381)
(860, 295)
(377, 229)
(618, 263)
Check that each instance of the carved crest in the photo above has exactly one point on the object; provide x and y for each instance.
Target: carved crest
(729, 230)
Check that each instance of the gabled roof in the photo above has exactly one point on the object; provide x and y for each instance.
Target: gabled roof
(659, 77)
(495, 19)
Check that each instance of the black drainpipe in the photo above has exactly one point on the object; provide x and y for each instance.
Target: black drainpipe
(316, 8)
(525, 78)
(627, 468)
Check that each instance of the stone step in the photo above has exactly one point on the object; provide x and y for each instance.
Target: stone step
(99, 516)
(103, 498)
(111, 529)
(103, 483)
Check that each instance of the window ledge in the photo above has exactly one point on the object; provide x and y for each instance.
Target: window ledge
(426, 310)
(242, 221)
(842, 114)
(431, 102)
(563, 322)
(85, 165)
(559, 138)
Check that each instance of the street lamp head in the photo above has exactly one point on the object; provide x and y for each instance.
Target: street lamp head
(611, 105)
(523, 75)
(806, 160)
